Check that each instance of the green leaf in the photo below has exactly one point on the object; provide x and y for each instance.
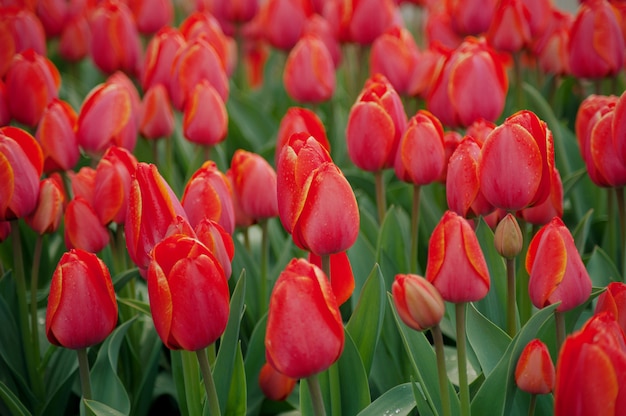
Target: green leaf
(223, 368)
(254, 360)
(393, 244)
(398, 401)
(120, 280)
(495, 396)
(101, 409)
(488, 341)
(365, 324)
(235, 405)
(106, 385)
(61, 372)
(11, 352)
(244, 261)
(13, 403)
(581, 232)
(150, 354)
(136, 304)
(354, 388)
(602, 269)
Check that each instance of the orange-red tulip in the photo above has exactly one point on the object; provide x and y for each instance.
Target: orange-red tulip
(341, 276)
(297, 120)
(156, 119)
(541, 214)
(218, 241)
(112, 184)
(613, 300)
(82, 310)
(20, 30)
(619, 128)
(56, 134)
(151, 15)
(5, 115)
(535, 372)
(83, 183)
(364, 20)
(510, 28)
(49, 212)
(395, 55)
(205, 120)
(254, 185)
(76, 38)
(275, 385)
(456, 264)
(471, 17)
(160, 53)
(419, 304)
(557, 273)
(83, 229)
(188, 293)
(551, 48)
(282, 21)
(305, 333)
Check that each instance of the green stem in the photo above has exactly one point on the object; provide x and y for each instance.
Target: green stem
(209, 384)
(381, 201)
(264, 261)
(441, 369)
(517, 67)
(414, 227)
(524, 304)
(32, 358)
(169, 159)
(85, 383)
(316, 395)
(533, 404)
(193, 394)
(326, 266)
(34, 286)
(621, 209)
(511, 322)
(559, 318)
(462, 358)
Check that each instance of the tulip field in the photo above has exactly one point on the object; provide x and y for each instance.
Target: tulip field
(312, 207)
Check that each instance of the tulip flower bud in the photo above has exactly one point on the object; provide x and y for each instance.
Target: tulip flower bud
(619, 128)
(275, 386)
(151, 15)
(157, 118)
(160, 53)
(395, 55)
(541, 214)
(56, 133)
(613, 300)
(205, 120)
(254, 184)
(366, 20)
(83, 229)
(5, 115)
(76, 37)
(456, 264)
(341, 276)
(297, 120)
(282, 21)
(188, 293)
(49, 212)
(557, 273)
(218, 241)
(471, 17)
(418, 302)
(112, 184)
(305, 333)
(82, 310)
(510, 29)
(508, 237)
(534, 372)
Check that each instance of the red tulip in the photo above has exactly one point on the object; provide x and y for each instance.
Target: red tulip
(156, 119)
(471, 17)
(83, 183)
(551, 48)
(613, 300)
(53, 15)
(56, 134)
(309, 74)
(439, 29)
(516, 162)
(112, 184)
(419, 304)
(457, 97)
(341, 276)
(83, 229)
(160, 53)
(32, 81)
(282, 21)
(619, 128)
(152, 209)
(591, 370)
(20, 30)
(305, 334)
(242, 219)
(421, 157)
(322, 29)
(365, 20)
(480, 129)
(296, 120)
(114, 38)
(208, 195)
(82, 310)
(254, 185)
(451, 140)
(5, 115)
(205, 120)
(534, 372)
(218, 241)
(76, 38)
(596, 46)
(510, 28)
(232, 11)
(541, 214)
(275, 386)
(49, 212)
(456, 264)
(557, 273)
(376, 123)
(151, 15)
(21, 165)
(188, 293)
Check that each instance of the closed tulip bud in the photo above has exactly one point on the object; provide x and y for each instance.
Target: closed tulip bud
(305, 333)
(242, 219)
(395, 55)
(282, 21)
(534, 372)
(219, 243)
(439, 30)
(188, 293)
(619, 128)
(376, 123)
(421, 156)
(274, 385)
(82, 310)
(297, 120)
(114, 38)
(205, 26)
(309, 74)
(20, 30)
(510, 28)
(341, 276)
(451, 140)
(609, 169)
(83, 229)
(480, 129)
(557, 273)
(5, 115)
(53, 15)
(463, 191)
(112, 184)
(32, 81)
(366, 20)
(205, 120)
(56, 134)
(596, 47)
(75, 38)
(160, 53)
(591, 370)
(541, 214)
(418, 302)
(613, 300)
(208, 194)
(21, 165)
(551, 48)
(151, 15)
(254, 185)
(321, 28)
(49, 212)
(457, 97)
(516, 162)
(508, 237)
(456, 264)
(83, 183)
(156, 119)
(152, 208)
(471, 17)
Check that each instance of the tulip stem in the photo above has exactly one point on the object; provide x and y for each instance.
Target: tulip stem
(511, 324)
(34, 286)
(85, 383)
(209, 383)
(316, 395)
(326, 266)
(414, 226)
(559, 319)
(441, 369)
(462, 358)
(381, 201)
(533, 404)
